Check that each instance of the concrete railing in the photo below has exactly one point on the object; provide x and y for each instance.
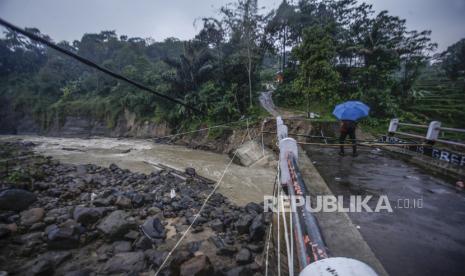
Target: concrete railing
(313, 257)
(432, 132)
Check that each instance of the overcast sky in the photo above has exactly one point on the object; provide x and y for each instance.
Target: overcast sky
(159, 19)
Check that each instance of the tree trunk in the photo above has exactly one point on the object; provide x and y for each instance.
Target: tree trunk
(284, 50)
(249, 69)
(308, 98)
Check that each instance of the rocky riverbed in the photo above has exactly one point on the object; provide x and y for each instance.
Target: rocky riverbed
(63, 219)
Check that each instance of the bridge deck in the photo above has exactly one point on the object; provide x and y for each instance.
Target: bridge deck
(420, 241)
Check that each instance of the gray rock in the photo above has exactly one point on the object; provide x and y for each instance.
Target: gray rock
(43, 266)
(132, 235)
(123, 202)
(16, 199)
(243, 223)
(121, 246)
(4, 230)
(137, 200)
(116, 224)
(254, 208)
(37, 226)
(153, 228)
(217, 241)
(32, 216)
(143, 243)
(155, 257)
(66, 237)
(257, 229)
(197, 266)
(227, 250)
(244, 256)
(113, 167)
(82, 272)
(102, 202)
(87, 216)
(217, 225)
(190, 171)
(239, 271)
(177, 259)
(128, 263)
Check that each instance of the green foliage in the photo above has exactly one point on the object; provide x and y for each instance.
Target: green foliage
(453, 60)
(343, 50)
(317, 78)
(54, 86)
(329, 51)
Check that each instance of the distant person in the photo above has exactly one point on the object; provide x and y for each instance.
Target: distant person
(348, 128)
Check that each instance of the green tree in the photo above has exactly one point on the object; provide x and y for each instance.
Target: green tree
(317, 78)
(453, 60)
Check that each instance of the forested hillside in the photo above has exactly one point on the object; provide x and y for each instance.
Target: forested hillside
(329, 51)
(47, 84)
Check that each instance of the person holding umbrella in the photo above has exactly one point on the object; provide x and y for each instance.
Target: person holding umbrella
(349, 113)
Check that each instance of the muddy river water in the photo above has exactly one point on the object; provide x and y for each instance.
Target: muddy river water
(241, 184)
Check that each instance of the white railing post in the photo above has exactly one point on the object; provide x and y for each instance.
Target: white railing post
(433, 131)
(286, 146)
(393, 124)
(282, 132)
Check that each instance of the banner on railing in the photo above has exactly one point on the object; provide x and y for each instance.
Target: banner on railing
(444, 155)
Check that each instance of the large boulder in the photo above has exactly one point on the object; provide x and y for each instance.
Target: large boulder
(197, 266)
(63, 237)
(116, 224)
(153, 228)
(32, 216)
(16, 199)
(125, 263)
(257, 228)
(243, 223)
(87, 216)
(244, 256)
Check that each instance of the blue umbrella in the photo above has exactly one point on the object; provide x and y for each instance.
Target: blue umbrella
(351, 110)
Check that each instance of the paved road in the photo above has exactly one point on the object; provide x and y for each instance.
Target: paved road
(414, 241)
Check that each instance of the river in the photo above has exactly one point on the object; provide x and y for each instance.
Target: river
(240, 184)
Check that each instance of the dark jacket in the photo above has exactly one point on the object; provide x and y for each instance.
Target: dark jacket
(348, 126)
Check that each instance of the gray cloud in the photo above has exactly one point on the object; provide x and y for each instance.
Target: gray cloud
(69, 19)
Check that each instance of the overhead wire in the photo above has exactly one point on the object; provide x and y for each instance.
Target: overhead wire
(93, 64)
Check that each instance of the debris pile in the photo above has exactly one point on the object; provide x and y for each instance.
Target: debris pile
(63, 219)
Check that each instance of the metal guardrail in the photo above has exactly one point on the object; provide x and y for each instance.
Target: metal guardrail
(432, 135)
(313, 256)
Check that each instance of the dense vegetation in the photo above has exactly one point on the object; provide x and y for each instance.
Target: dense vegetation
(329, 51)
(341, 50)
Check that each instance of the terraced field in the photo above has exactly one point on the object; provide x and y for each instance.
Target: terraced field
(443, 100)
